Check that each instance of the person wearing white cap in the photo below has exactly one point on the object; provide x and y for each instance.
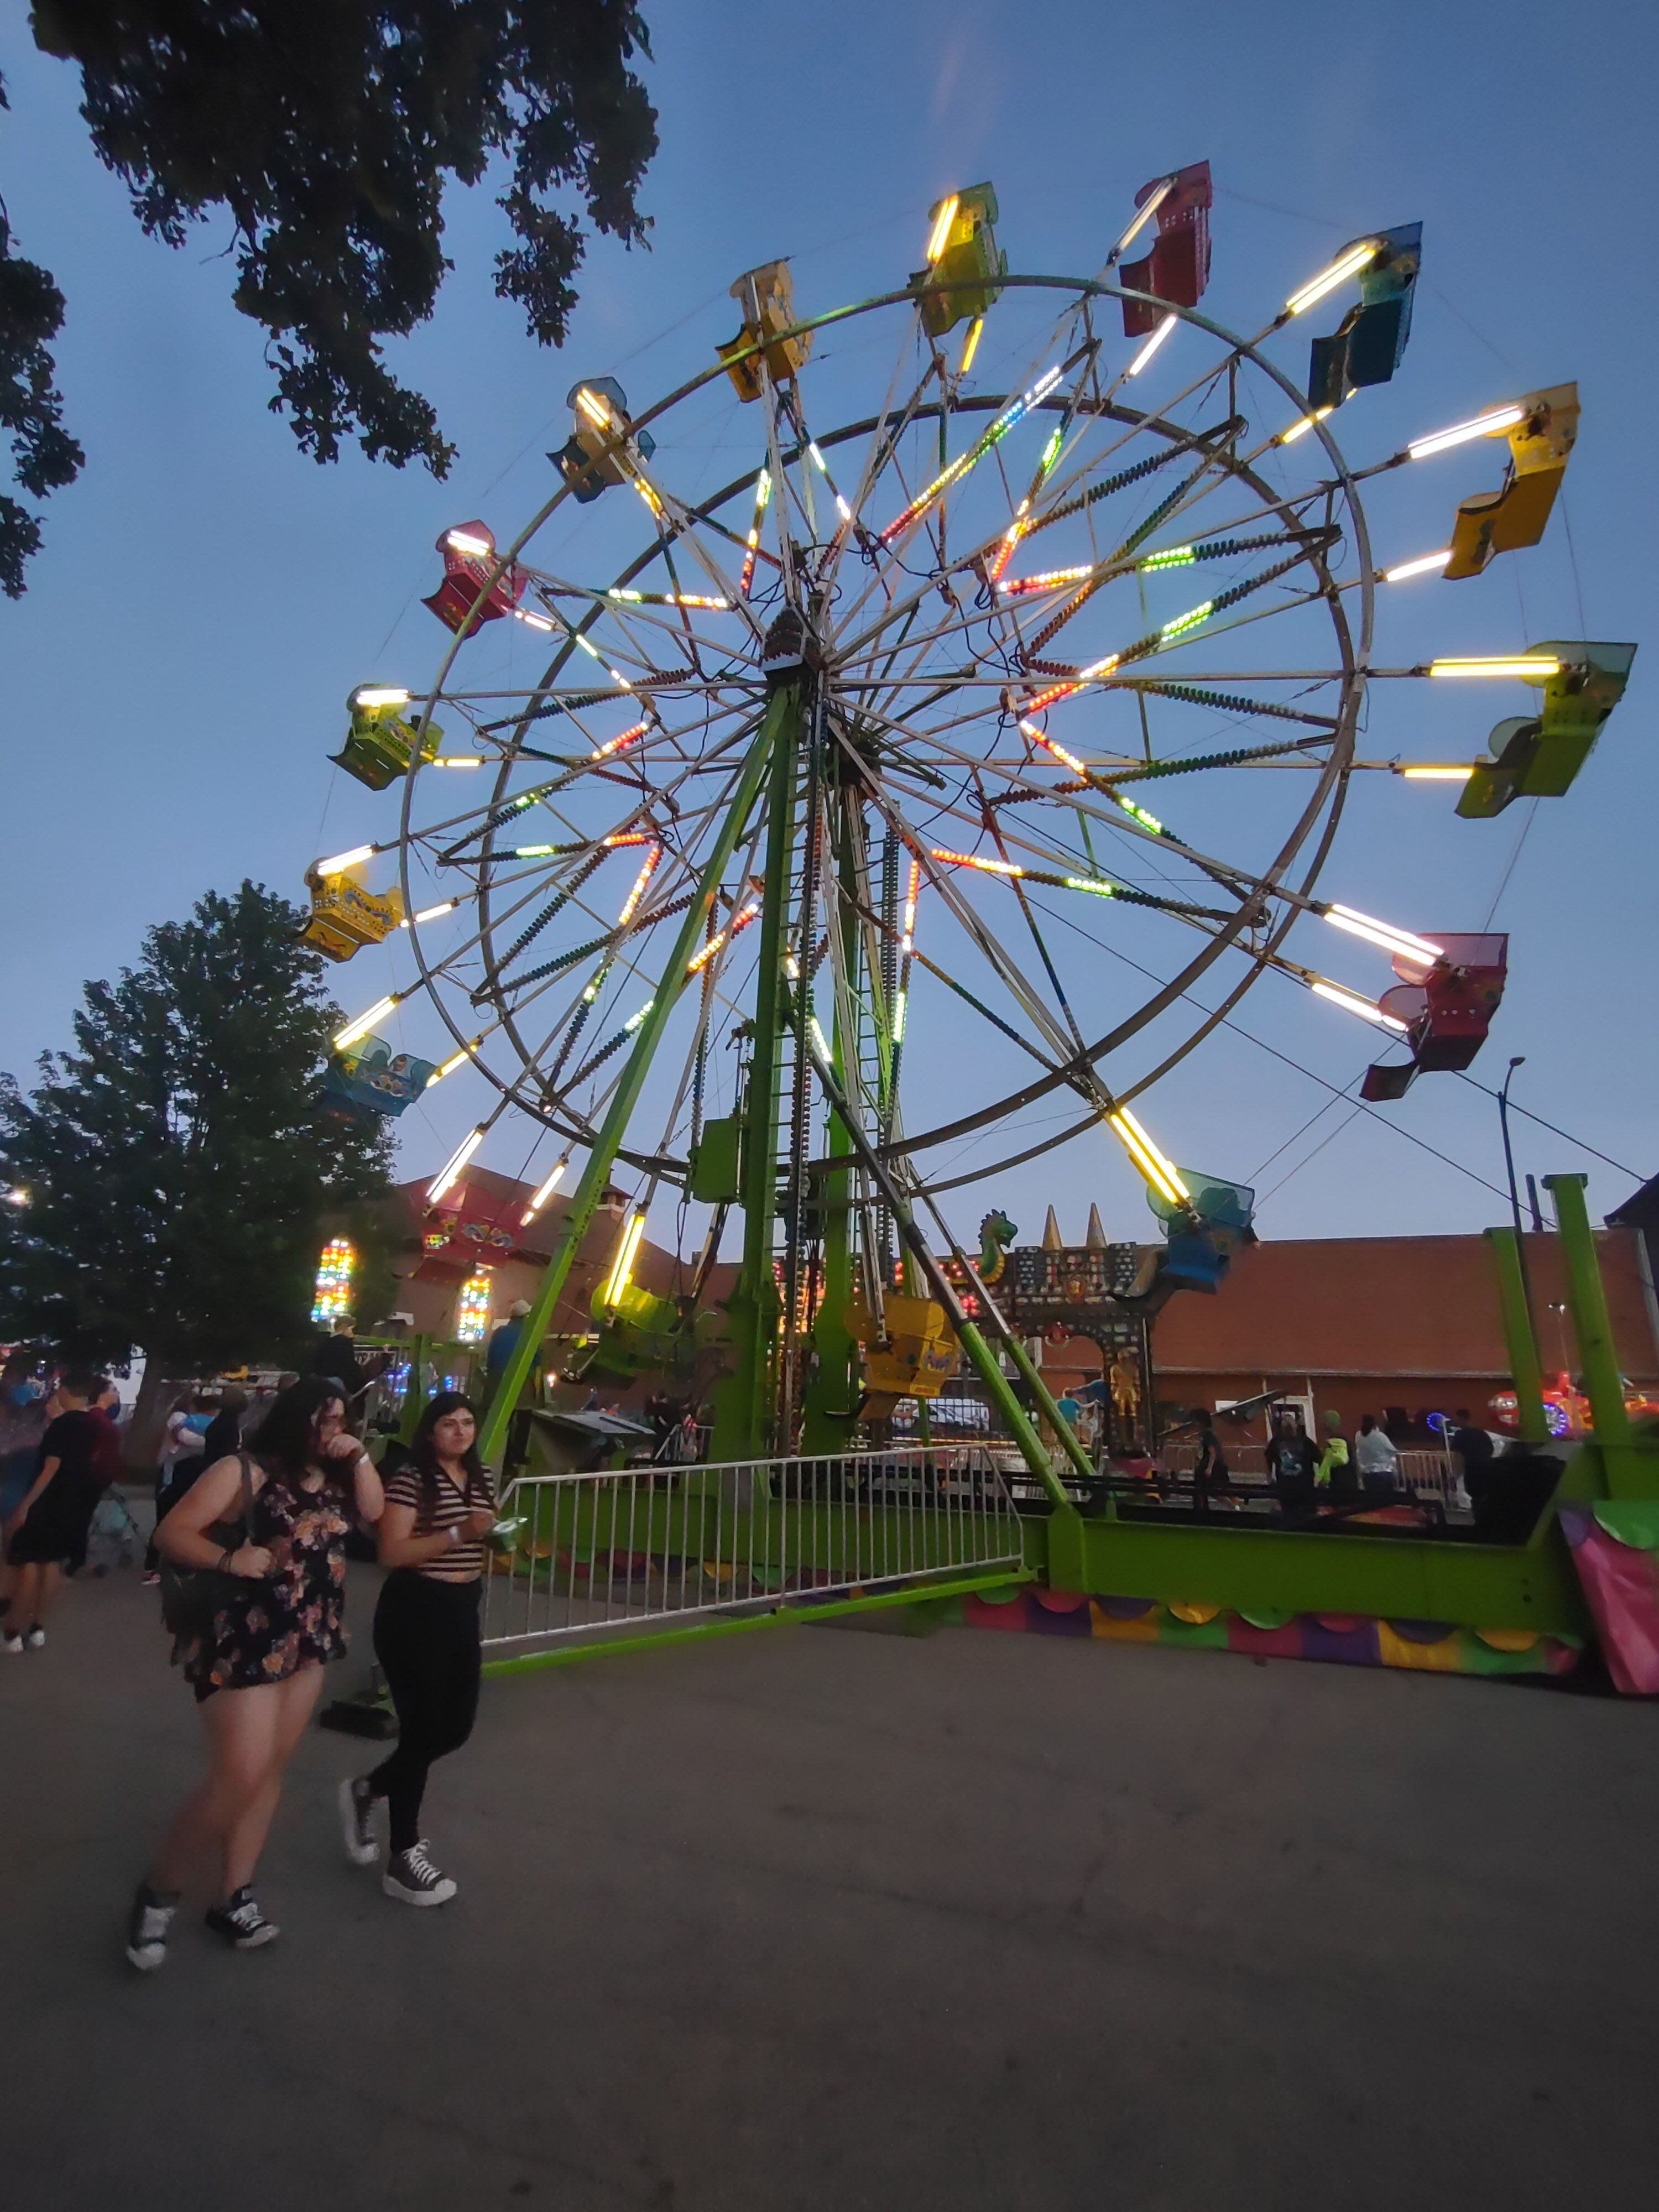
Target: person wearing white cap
(504, 1340)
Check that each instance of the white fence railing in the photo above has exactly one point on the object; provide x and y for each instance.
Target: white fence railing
(638, 1547)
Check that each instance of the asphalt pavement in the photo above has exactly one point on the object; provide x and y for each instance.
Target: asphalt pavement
(819, 1920)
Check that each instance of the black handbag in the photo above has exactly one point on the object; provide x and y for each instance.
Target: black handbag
(192, 1596)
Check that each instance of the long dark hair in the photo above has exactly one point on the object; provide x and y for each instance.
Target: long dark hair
(423, 1452)
(285, 1441)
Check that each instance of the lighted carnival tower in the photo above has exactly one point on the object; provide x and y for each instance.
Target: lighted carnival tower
(787, 847)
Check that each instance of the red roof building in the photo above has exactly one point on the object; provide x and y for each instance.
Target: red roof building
(1365, 1323)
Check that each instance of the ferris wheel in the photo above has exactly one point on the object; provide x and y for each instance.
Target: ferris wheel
(890, 753)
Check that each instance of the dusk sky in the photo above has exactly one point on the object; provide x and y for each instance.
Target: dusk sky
(208, 595)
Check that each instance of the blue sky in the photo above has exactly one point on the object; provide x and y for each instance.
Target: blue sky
(173, 679)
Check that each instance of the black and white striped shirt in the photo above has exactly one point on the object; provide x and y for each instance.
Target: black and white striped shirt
(462, 1562)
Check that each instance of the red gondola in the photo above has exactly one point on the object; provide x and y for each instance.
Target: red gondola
(468, 551)
(1178, 267)
(1447, 1009)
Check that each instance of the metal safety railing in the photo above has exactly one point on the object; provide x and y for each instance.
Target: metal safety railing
(638, 1548)
(1423, 1474)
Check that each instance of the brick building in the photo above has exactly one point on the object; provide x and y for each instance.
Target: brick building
(1368, 1323)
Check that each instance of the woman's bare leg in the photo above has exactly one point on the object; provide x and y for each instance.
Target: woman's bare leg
(296, 1701)
(49, 1582)
(24, 1597)
(241, 1728)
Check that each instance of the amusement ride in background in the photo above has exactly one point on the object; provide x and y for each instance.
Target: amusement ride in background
(900, 786)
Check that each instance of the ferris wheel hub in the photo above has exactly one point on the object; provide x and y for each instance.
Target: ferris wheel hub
(790, 645)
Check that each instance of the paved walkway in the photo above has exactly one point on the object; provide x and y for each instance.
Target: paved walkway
(820, 1919)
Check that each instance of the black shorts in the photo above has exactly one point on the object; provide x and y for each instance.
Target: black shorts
(54, 1533)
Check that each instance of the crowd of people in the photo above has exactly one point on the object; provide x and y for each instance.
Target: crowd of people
(256, 1498)
(1332, 1470)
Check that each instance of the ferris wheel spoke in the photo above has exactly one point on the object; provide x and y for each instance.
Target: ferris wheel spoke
(600, 766)
(668, 896)
(1135, 821)
(1176, 633)
(1025, 993)
(967, 562)
(637, 620)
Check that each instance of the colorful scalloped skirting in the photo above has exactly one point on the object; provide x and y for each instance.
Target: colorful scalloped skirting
(1429, 1647)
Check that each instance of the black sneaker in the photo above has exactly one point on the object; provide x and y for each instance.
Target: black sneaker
(147, 1930)
(357, 1818)
(241, 1923)
(412, 1879)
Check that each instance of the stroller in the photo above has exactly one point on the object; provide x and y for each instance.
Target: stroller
(113, 1538)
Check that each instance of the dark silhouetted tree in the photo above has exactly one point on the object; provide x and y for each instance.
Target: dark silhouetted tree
(178, 1162)
(327, 130)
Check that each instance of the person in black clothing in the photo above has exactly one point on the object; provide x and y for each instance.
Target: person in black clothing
(334, 1354)
(1472, 1450)
(1291, 1461)
(1210, 1469)
(439, 1507)
(47, 1531)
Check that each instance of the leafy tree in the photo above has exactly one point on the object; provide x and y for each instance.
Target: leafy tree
(178, 1162)
(327, 130)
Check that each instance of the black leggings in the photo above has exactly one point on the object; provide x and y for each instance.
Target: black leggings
(426, 1639)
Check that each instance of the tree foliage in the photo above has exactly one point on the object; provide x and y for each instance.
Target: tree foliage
(43, 455)
(178, 1162)
(327, 130)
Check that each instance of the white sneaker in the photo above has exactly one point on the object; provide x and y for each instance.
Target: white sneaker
(357, 1820)
(412, 1879)
(147, 1930)
(34, 1637)
(13, 1643)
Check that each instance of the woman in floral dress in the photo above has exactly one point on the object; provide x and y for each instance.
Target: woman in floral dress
(257, 1665)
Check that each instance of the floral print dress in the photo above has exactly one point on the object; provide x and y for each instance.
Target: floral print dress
(295, 1616)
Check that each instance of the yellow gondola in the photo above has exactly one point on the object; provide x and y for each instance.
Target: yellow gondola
(919, 1355)
(1504, 520)
(344, 916)
(767, 296)
(961, 252)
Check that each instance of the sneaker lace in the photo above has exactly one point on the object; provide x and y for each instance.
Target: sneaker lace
(245, 1914)
(419, 1864)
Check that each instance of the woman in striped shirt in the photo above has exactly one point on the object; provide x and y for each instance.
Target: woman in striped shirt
(440, 1506)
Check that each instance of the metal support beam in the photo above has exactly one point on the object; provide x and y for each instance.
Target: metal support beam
(1525, 1369)
(1629, 1464)
(1598, 1356)
(981, 1357)
(743, 1400)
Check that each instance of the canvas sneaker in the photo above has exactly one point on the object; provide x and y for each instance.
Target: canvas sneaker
(241, 1923)
(147, 1928)
(357, 1820)
(12, 1644)
(34, 1637)
(412, 1879)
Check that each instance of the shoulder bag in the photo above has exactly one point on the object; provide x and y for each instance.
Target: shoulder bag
(192, 1596)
